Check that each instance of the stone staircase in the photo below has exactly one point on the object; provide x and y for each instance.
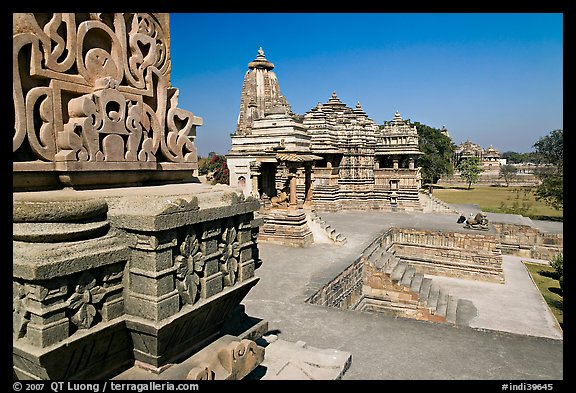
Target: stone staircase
(331, 233)
(430, 204)
(425, 294)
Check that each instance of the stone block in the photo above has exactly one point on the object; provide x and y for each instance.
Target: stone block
(112, 309)
(48, 334)
(212, 265)
(209, 246)
(244, 235)
(210, 229)
(152, 308)
(286, 360)
(246, 270)
(152, 284)
(211, 285)
(152, 261)
(246, 253)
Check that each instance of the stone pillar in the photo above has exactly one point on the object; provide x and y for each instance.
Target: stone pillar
(254, 175)
(152, 293)
(411, 163)
(395, 163)
(308, 185)
(293, 196)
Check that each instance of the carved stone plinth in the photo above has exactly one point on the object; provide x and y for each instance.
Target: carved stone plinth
(107, 271)
(156, 285)
(68, 266)
(286, 226)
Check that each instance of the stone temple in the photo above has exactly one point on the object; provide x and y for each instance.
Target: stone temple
(333, 157)
(126, 267)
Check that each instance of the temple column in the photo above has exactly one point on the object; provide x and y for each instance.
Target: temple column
(254, 174)
(308, 185)
(411, 163)
(293, 196)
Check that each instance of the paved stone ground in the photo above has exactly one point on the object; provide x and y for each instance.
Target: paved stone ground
(513, 337)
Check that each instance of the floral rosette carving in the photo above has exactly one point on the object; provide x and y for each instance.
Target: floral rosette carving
(189, 266)
(230, 249)
(20, 315)
(84, 300)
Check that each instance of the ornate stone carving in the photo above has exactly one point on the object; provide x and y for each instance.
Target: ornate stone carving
(229, 247)
(20, 315)
(189, 267)
(87, 295)
(227, 359)
(96, 88)
(201, 374)
(239, 358)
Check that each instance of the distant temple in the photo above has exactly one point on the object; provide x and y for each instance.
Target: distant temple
(489, 158)
(333, 157)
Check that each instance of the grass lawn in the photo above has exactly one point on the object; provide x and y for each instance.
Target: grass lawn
(512, 200)
(547, 283)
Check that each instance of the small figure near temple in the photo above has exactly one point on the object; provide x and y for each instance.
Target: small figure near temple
(461, 219)
(479, 221)
(280, 200)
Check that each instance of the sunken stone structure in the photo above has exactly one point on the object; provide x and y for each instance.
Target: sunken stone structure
(333, 157)
(121, 260)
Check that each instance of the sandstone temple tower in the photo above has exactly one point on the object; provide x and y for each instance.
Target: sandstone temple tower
(334, 157)
(270, 158)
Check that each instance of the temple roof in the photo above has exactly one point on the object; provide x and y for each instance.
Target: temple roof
(295, 157)
(261, 62)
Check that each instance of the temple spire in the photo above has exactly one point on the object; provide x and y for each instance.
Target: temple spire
(261, 62)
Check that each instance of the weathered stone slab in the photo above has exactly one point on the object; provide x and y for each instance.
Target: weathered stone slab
(288, 361)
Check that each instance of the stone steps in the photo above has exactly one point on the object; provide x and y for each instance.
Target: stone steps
(335, 236)
(431, 204)
(430, 295)
(452, 309)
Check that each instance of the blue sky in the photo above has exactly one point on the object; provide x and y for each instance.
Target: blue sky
(493, 78)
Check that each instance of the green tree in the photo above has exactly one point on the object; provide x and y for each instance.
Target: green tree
(508, 172)
(550, 155)
(470, 170)
(438, 150)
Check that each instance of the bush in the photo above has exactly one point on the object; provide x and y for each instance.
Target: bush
(557, 263)
(215, 169)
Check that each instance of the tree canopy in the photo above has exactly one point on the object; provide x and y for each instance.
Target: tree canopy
(470, 170)
(550, 153)
(215, 168)
(508, 172)
(438, 150)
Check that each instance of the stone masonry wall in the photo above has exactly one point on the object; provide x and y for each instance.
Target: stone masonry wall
(471, 255)
(345, 290)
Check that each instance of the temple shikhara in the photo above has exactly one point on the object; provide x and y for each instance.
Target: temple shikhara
(333, 157)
